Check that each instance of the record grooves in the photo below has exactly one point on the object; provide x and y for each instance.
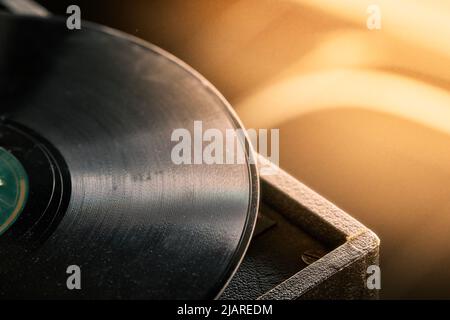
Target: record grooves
(89, 114)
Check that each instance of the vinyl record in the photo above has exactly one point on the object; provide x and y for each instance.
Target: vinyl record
(86, 123)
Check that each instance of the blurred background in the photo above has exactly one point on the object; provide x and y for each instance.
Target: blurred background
(364, 115)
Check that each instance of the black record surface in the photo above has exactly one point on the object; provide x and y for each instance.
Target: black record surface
(102, 107)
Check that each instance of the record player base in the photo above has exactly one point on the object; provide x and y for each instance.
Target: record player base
(304, 247)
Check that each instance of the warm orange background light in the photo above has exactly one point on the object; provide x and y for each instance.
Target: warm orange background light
(364, 115)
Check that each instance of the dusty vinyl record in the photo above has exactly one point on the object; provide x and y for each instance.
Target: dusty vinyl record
(88, 179)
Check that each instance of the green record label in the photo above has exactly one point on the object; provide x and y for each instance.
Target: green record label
(13, 189)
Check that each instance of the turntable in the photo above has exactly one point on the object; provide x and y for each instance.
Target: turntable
(88, 184)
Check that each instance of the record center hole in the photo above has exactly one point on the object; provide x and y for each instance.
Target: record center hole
(13, 189)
